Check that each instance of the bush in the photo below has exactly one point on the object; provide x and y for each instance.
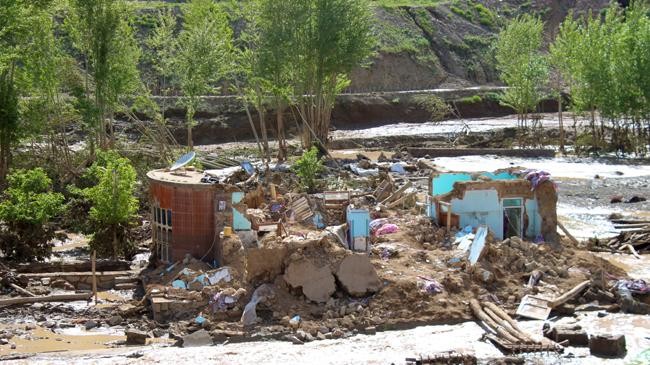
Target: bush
(28, 207)
(307, 167)
(113, 205)
(437, 108)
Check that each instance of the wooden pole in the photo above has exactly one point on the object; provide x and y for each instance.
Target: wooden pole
(566, 232)
(94, 257)
(274, 194)
(568, 295)
(23, 291)
(500, 330)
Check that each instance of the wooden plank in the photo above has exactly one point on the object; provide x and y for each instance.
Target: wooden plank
(48, 298)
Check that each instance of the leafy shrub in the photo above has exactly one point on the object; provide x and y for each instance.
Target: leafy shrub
(474, 99)
(485, 15)
(435, 105)
(26, 211)
(307, 167)
(113, 204)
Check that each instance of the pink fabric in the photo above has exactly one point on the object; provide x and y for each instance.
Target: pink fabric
(386, 229)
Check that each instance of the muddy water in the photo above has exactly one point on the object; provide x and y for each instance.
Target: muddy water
(42, 340)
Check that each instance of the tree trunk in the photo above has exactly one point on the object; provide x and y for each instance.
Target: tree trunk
(560, 122)
(282, 142)
(115, 242)
(189, 121)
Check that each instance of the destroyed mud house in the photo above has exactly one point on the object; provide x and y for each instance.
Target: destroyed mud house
(241, 254)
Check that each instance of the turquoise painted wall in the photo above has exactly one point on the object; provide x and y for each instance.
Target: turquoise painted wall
(480, 207)
(239, 221)
(444, 183)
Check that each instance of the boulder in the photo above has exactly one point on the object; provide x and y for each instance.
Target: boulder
(317, 283)
(198, 338)
(357, 275)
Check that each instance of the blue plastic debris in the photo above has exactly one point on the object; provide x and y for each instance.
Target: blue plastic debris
(318, 221)
(248, 167)
(464, 232)
(179, 284)
(199, 320)
(398, 168)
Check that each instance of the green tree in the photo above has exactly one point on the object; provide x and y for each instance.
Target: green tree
(521, 64)
(113, 204)
(331, 37)
(28, 63)
(101, 31)
(162, 43)
(26, 210)
(307, 167)
(202, 55)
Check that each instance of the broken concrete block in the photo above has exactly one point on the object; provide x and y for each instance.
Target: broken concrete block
(574, 334)
(136, 337)
(317, 283)
(357, 275)
(198, 338)
(607, 345)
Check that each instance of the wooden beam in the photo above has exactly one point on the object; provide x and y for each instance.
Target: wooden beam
(48, 298)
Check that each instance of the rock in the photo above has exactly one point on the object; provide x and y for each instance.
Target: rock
(135, 337)
(636, 199)
(13, 346)
(30, 326)
(338, 333)
(158, 332)
(342, 311)
(321, 336)
(357, 275)
(317, 283)
(91, 324)
(616, 199)
(115, 321)
(4, 341)
(323, 329)
(198, 338)
(309, 337)
(370, 330)
(48, 324)
(607, 345)
(293, 339)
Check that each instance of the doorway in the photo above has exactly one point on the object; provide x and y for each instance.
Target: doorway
(513, 217)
